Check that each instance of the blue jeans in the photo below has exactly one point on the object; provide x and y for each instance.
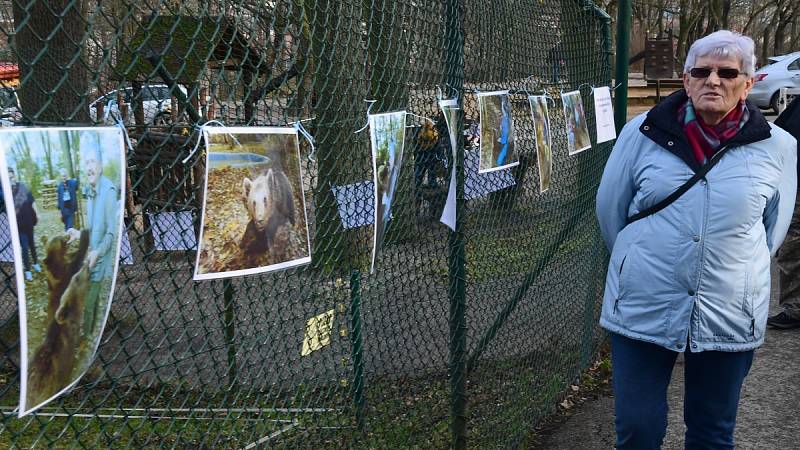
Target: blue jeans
(27, 244)
(67, 219)
(641, 375)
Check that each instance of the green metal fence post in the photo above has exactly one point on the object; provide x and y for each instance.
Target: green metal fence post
(454, 58)
(357, 347)
(621, 74)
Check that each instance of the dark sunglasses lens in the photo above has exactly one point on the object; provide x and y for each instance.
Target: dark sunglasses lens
(699, 72)
(728, 73)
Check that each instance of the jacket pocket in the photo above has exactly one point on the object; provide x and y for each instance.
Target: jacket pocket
(619, 284)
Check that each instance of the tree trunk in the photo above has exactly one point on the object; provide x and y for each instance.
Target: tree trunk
(342, 156)
(683, 31)
(49, 36)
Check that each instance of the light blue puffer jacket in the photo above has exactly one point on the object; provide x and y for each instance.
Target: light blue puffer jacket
(698, 271)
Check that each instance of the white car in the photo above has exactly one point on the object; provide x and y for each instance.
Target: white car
(156, 102)
(783, 72)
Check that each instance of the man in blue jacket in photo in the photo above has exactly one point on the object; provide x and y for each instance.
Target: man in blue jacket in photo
(67, 199)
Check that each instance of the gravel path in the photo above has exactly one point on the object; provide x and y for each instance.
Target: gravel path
(767, 412)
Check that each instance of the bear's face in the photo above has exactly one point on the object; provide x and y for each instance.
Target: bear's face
(55, 261)
(257, 195)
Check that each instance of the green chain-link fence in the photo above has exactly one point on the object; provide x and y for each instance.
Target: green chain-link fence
(465, 337)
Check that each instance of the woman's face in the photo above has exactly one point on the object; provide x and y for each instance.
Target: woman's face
(714, 97)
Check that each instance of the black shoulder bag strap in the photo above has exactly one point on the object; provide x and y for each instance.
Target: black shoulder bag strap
(681, 190)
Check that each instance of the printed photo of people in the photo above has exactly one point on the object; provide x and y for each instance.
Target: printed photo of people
(544, 148)
(254, 213)
(577, 130)
(387, 135)
(498, 149)
(63, 190)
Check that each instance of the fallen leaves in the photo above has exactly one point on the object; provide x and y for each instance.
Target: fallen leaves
(226, 219)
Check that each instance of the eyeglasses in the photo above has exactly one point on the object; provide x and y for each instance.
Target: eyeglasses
(704, 72)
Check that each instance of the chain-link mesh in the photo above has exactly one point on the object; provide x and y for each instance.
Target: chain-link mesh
(458, 337)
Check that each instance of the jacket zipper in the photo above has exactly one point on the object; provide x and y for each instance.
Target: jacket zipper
(704, 225)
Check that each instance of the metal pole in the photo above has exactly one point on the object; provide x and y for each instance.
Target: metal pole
(621, 74)
(357, 347)
(454, 58)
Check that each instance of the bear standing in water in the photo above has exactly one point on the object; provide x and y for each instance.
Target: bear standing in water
(269, 199)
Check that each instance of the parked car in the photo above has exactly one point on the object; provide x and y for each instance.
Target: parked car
(156, 102)
(9, 106)
(784, 71)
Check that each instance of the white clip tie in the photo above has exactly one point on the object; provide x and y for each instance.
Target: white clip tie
(591, 86)
(419, 117)
(121, 126)
(200, 131)
(371, 103)
(301, 129)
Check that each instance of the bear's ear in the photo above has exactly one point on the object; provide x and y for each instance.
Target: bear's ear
(246, 185)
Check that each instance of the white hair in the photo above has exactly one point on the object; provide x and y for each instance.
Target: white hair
(724, 43)
(96, 153)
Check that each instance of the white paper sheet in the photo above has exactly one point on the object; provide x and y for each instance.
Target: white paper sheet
(604, 115)
(449, 109)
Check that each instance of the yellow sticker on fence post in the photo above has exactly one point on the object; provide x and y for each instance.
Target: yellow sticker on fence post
(318, 332)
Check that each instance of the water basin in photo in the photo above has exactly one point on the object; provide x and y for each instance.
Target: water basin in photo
(236, 160)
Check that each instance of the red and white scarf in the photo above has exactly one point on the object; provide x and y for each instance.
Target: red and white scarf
(706, 139)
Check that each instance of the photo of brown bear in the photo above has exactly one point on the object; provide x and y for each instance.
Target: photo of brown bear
(60, 265)
(53, 363)
(270, 204)
(254, 216)
(63, 302)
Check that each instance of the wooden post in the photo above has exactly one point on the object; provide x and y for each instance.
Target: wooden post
(173, 110)
(212, 103)
(138, 103)
(204, 103)
(123, 107)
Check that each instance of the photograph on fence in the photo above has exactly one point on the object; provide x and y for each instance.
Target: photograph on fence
(254, 213)
(544, 142)
(450, 112)
(498, 149)
(577, 130)
(63, 190)
(387, 135)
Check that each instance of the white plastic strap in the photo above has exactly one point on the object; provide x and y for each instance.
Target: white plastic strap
(371, 103)
(301, 129)
(200, 130)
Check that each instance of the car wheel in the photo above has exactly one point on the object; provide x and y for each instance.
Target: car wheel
(773, 102)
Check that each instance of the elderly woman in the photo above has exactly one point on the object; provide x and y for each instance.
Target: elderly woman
(695, 197)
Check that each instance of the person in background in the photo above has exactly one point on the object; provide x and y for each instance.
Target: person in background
(67, 199)
(789, 254)
(693, 276)
(27, 217)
